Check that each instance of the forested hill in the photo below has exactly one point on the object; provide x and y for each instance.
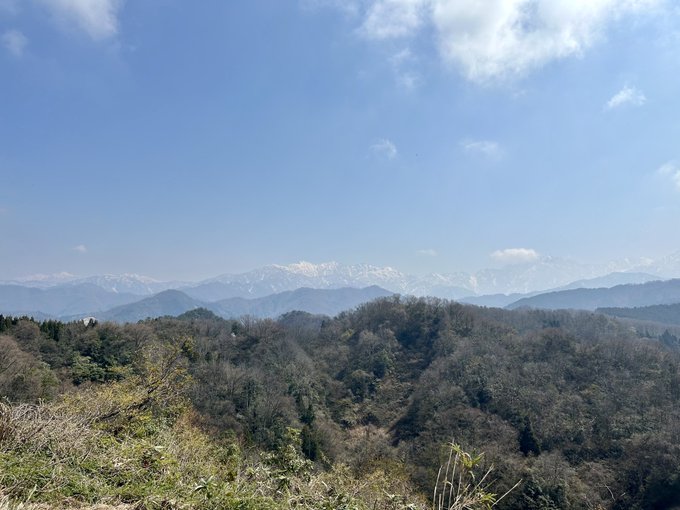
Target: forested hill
(581, 408)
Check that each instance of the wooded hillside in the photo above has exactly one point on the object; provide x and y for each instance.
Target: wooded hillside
(581, 408)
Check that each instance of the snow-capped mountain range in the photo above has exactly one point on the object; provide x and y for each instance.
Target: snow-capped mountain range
(330, 275)
(539, 275)
(543, 274)
(124, 283)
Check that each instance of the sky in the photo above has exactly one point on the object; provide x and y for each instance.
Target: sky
(182, 140)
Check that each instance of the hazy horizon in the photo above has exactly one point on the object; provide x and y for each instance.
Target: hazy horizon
(623, 264)
(183, 141)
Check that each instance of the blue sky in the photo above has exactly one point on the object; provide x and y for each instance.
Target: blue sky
(187, 139)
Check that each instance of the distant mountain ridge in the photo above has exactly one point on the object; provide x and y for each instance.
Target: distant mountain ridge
(62, 300)
(168, 302)
(644, 294)
(129, 283)
(606, 281)
(489, 287)
(124, 283)
(612, 280)
(330, 275)
(666, 314)
(315, 301)
(544, 273)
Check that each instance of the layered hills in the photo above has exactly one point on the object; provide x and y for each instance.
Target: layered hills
(547, 282)
(317, 301)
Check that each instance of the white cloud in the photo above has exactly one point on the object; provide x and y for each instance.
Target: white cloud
(429, 252)
(626, 96)
(386, 148)
(386, 19)
(515, 255)
(81, 248)
(98, 18)
(487, 148)
(500, 39)
(15, 42)
(671, 171)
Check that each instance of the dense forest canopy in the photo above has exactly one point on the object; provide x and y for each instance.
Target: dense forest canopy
(580, 407)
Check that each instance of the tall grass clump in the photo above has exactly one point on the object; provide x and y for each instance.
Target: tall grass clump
(461, 485)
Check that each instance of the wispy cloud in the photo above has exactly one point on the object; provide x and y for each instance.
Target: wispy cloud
(409, 80)
(670, 171)
(81, 248)
(626, 96)
(387, 19)
(386, 148)
(14, 42)
(429, 252)
(401, 57)
(402, 66)
(500, 39)
(487, 148)
(515, 255)
(98, 18)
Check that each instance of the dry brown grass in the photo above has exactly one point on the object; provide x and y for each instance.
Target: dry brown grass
(39, 427)
(6, 504)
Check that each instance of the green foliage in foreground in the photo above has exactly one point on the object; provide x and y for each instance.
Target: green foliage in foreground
(135, 442)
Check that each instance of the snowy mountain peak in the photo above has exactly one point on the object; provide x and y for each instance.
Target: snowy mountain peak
(309, 269)
(335, 269)
(125, 277)
(544, 273)
(668, 266)
(42, 281)
(47, 278)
